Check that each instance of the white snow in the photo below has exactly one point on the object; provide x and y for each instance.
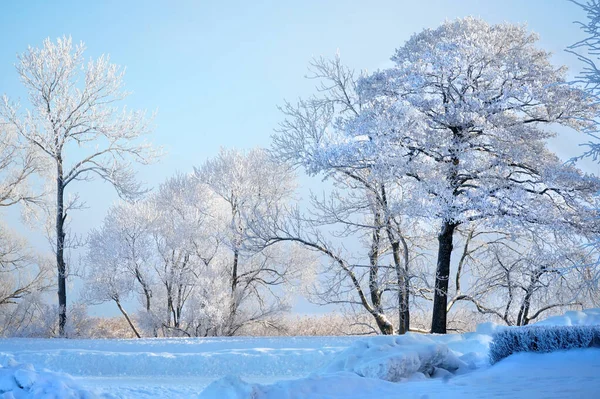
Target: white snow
(572, 374)
(588, 317)
(172, 368)
(410, 366)
(396, 358)
(23, 381)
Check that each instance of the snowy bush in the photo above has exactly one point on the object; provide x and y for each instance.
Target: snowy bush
(542, 339)
(32, 317)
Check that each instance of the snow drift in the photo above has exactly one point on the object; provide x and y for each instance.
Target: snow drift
(22, 381)
(378, 361)
(413, 357)
(587, 317)
(396, 358)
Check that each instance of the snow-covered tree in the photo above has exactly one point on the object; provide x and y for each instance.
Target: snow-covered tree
(74, 123)
(252, 186)
(24, 277)
(521, 275)
(22, 271)
(460, 124)
(120, 258)
(360, 207)
(587, 51)
(183, 251)
(190, 274)
(462, 119)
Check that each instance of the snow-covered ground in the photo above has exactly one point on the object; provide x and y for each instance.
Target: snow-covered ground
(172, 368)
(411, 366)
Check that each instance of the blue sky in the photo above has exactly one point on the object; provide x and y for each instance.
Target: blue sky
(215, 71)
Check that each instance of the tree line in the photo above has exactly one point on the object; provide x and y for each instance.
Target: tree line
(442, 194)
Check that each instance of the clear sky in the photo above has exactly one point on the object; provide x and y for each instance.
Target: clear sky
(216, 70)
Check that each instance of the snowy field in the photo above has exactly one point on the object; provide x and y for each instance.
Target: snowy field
(411, 366)
(172, 368)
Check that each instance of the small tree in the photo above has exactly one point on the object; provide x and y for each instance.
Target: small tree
(120, 258)
(520, 276)
(191, 276)
(362, 205)
(76, 126)
(23, 275)
(251, 186)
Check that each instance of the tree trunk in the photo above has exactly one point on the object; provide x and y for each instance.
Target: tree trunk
(404, 311)
(145, 288)
(234, 271)
(522, 317)
(401, 272)
(402, 294)
(440, 298)
(234, 284)
(137, 334)
(384, 325)
(60, 256)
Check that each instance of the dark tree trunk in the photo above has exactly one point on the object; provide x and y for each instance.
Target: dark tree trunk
(522, 317)
(234, 284)
(145, 288)
(234, 267)
(383, 324)
(234, 271)
(170, 312)
(440, 298)
(402, 278)
(403, 317)
(60, 255)
(404, 311)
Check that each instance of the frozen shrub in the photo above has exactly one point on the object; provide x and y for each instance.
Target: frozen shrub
(542, 339)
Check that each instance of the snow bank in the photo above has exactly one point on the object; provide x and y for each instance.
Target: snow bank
(587, 317)
(395, 358)
(22, 381)
(558, 375)
(328, 386)
(439, 366)
(376, 363)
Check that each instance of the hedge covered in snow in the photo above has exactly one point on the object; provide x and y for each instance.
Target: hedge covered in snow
(542, 339)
